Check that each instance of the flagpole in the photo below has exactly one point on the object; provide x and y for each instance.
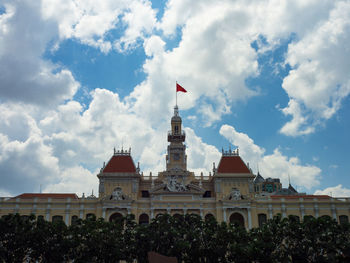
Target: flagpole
(176, 92)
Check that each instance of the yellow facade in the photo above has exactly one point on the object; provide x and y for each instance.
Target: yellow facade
(228, 193)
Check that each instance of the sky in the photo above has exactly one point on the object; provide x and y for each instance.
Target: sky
(78, 78)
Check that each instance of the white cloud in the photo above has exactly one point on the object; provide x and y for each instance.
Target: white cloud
(212, 61)
(200, 155)
(25, 76)
(26, 161)
(75, 180)
(274, 165)
(335, 191)
(319, 79)
(91, 21)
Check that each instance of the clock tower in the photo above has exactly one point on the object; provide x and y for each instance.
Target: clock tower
(176, 154)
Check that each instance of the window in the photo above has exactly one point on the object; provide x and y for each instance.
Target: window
(91, 216)
(176, 129)
(116, 217)
(207, 194)
(343, 219)
(262, 219)
(143, 219)
(145, 194)
(209, 217)
(40, 217)
(25, 217)
(56, 219)
(74, 220)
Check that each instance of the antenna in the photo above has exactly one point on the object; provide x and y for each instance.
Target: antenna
(40, 188)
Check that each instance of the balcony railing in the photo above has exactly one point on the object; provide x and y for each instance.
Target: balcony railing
(179, 136)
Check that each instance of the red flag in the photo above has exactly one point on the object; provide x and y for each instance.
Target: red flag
(179, 88)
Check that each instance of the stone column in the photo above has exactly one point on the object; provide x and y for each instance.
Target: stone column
(249, 218)
(67, 211)
(334, 212)
(81, 211)
(283, 208)
(224, 216)
(48, 209)
(270, 211)
(316, 207)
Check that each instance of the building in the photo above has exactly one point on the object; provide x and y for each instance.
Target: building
(231, 193)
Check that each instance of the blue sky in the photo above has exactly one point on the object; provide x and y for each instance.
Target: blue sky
(78, 79)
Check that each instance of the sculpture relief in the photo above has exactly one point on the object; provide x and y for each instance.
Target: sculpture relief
(173, 185)
(235, 194)
(117, 194)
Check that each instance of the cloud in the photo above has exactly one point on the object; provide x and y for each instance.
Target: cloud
(319, 79)
(200, 155)
(25, 76)
(63, 149)
(92, 22)
(274, 165)
(336, 191)
(75, 180)
(26, 161)
(212, 59)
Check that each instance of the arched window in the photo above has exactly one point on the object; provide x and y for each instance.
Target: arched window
(144, 219)
(237, 219)
(209, 217)
(116, 217)
(74, 220)
(91, 216)
(25, 217)
(178, 216)
(40, 217)
(262, 219)
(56, 219)
(343, 219)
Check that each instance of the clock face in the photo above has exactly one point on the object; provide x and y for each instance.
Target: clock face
(176, 156)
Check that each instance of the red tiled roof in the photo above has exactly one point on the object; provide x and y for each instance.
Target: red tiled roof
(120, 164)
(44, 196)
(300, 196)
(232, 164)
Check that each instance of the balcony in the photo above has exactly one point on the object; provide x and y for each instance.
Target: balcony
(176, 137)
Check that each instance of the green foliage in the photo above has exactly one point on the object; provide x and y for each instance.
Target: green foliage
(189, 238)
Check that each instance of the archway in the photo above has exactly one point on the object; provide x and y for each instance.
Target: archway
(144, 219)
(237, 219)
(115, 217)
(209, 217)
(178, 216)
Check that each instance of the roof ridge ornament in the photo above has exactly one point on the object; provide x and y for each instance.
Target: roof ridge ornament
(230, 152)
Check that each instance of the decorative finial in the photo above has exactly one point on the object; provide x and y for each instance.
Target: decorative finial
(114, 151)
(176, 111)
